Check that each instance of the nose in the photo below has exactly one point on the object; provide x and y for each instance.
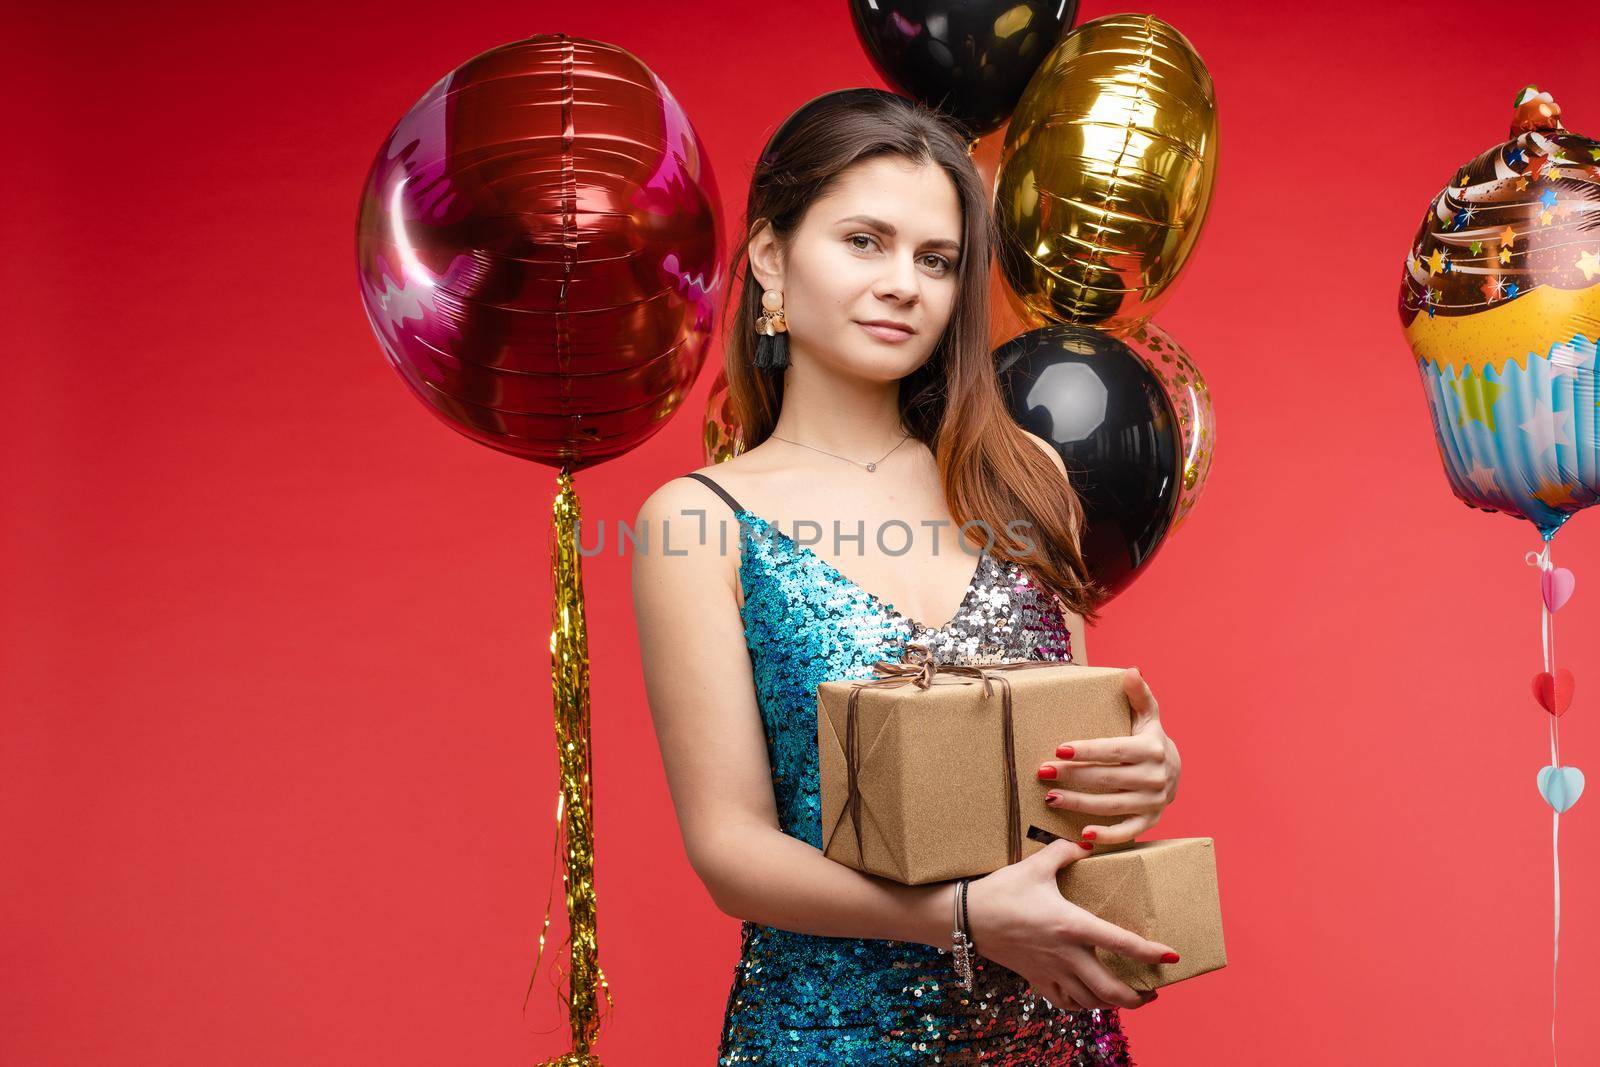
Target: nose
(900, 281)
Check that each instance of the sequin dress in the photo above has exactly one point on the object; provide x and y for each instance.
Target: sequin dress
(797, 999)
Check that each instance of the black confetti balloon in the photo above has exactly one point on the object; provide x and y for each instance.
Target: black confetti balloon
(970, 60)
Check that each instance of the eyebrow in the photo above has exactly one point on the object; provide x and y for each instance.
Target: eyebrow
(879, 224)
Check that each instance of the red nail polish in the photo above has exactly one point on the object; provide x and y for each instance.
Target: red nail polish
(1064, 752)
(1090, 835)
(1169, 957)
(1052, 797)
(1046, 771)
(1086, 845)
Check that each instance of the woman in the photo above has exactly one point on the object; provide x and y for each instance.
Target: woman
(868, 230)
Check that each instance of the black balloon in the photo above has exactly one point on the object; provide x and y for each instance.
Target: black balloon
(1107, 415)
(969, 60)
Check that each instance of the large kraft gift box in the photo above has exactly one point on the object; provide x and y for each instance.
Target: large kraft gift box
(936, 792)
(1162, 890)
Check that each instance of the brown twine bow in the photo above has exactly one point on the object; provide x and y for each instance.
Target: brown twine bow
(919, 668)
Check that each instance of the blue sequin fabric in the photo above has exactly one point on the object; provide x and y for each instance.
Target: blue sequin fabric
(799, 999)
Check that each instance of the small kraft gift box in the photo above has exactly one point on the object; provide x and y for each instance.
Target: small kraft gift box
(1165, 891)
(929, 769)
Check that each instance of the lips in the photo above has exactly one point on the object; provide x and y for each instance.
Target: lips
(887, 331)
(890, 324)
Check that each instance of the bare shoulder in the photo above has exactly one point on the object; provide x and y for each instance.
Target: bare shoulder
(690, 503)
(686, 538)
(679, 514)
(674, 498)
(1049, 450)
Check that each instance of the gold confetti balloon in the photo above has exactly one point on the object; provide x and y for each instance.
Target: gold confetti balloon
(1191, 402)
(722, 437)
(1106, 174)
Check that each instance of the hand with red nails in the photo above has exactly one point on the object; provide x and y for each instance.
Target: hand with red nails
(1020, 920)
(1135, 775)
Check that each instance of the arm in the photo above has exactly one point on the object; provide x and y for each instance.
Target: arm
(708, 725)
(1080, 649)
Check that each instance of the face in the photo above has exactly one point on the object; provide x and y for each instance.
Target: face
(883, 246)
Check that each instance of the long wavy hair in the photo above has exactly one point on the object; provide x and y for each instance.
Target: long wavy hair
(991, 472)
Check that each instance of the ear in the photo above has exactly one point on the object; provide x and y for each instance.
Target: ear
(766, 260)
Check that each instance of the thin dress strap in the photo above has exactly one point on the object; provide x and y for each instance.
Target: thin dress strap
(723, 493)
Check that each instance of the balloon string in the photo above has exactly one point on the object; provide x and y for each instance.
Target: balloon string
(1555, 953)
(1555, 816)
(1547, 635)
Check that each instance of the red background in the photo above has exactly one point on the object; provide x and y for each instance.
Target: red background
(279, 774)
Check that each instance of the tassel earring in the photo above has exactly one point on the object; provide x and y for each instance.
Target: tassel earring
(772, 333)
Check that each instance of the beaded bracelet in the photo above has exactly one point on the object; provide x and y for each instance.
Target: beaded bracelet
(961, 937)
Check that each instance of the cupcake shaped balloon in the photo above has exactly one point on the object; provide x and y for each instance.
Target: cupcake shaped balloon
(1500, 302)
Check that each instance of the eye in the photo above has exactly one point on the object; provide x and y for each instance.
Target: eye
(940, 263)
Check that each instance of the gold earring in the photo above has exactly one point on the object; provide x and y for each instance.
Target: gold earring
(772, 333)
(771, 320)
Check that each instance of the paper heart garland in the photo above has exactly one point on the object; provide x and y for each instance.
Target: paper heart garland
(1556, 584)
(1560, 786)
(1554, 692)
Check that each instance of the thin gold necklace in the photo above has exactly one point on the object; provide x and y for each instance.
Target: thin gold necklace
(871, 467)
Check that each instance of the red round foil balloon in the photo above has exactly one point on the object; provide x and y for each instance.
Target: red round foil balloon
(539, 250)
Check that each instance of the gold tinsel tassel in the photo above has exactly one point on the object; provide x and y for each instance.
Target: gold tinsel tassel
(569, 673)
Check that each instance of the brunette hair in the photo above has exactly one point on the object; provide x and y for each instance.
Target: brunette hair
(991, 472)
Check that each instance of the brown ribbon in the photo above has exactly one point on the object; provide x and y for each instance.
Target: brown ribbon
(919, 668)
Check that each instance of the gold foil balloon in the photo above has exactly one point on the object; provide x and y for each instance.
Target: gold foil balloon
(722, 438)
(1106, 173)
(1191, 401)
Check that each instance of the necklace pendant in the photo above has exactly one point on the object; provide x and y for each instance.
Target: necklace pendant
(872, 467)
